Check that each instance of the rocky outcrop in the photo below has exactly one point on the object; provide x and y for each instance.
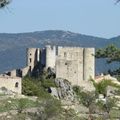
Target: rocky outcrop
(51, 72)
(63, 90)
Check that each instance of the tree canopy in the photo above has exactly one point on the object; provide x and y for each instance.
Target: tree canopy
(111, 53)
(3, 3)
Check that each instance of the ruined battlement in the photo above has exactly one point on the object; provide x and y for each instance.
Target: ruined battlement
(13, 84)
(76, 64)
(50, 56)
(73, 63)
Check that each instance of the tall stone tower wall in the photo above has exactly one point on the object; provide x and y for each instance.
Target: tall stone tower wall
(50, 56)
(32, 58)
(69, 64)
(89, 63)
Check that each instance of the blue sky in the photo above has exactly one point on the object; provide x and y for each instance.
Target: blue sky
(92, 17)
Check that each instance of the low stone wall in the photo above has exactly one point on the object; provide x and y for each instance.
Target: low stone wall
(11, 84)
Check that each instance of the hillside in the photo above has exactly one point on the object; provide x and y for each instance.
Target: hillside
(13, 46)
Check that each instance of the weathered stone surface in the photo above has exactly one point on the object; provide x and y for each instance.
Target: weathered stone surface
(50, 56)
(87, 86)
(54, 92)
(72, 63)
(13, 84)
(51, 72)
(64, 90)
(5, 91)
(75, 64)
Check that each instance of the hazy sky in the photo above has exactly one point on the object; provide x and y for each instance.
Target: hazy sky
(91, 17)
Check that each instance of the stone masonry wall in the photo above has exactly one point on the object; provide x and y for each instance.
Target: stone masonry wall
(89, 63)
(72, 63)
(31, 58)
(11, 83)
(50, 56)
(69, 64)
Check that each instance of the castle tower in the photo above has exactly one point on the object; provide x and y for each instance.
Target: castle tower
(89, 63)
(50, 56)
(32, 58)
(69, 64)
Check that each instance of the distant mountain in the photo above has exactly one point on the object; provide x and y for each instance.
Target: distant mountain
(13, 46)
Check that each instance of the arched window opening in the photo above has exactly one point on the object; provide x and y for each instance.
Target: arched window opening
(30, 60)
(16, 84)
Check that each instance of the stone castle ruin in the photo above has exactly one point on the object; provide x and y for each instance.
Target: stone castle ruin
(9, 85)
(75, 64)
(72, 63)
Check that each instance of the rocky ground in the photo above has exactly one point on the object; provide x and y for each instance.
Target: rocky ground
(63, 105)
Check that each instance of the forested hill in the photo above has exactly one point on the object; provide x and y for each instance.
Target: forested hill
(12, 46)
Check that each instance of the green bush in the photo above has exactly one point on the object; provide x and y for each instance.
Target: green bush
(22, 104)
(48, 83)
(29, 88)
(51, 108)
(34, 87)
(101, 87)
(16, 104)
(77, 89)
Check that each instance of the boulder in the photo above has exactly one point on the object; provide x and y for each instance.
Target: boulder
(63, 90)
(53, 92)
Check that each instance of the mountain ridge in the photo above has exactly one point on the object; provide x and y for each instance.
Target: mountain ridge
(13, 45)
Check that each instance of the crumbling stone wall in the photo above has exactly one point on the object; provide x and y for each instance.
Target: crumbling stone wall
(31, 58)
(89, 63)
(12, 73)
(24, 71)
(50, 56)
(72, 63)
(75, 64)
(69, 64)
(11, 83)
